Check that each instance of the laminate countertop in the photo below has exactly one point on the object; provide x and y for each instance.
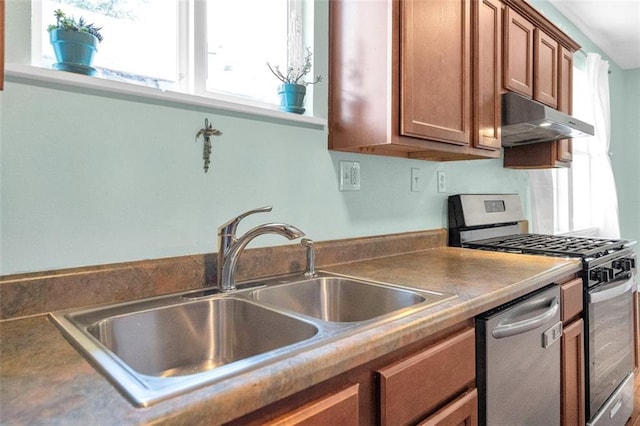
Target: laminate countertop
(44, 380)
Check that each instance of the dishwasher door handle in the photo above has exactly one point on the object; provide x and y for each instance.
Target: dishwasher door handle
(507, 328)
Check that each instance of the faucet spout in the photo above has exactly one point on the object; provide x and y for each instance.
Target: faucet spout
(229, 259)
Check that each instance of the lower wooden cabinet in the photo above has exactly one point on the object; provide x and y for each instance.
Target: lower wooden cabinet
(340, 408)
(461, 412)
(573, 408)
(413, 388)
(431, 380)
(572, 354)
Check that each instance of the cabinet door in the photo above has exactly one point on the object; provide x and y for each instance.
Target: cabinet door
(463, 411)
(565, 98)
(518, 53)
(435, 70)
(488, 77)
(545, 69)
(415, 386)
(338, 409)
(572, 392)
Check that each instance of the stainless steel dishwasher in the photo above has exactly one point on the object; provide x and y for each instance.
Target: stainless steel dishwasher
(518, 361)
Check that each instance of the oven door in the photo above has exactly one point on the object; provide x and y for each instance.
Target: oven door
(610, 338)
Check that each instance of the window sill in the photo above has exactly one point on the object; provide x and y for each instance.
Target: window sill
(49, 78)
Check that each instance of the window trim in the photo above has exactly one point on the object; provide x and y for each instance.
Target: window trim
(191, 67)
(36, 76)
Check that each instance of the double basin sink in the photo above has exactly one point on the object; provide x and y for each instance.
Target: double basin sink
(156, 348)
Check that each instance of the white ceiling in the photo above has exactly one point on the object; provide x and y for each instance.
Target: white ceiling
(613, 25)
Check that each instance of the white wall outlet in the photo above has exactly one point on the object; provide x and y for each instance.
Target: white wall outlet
(349, 176)
(442, 182)
(416, 179)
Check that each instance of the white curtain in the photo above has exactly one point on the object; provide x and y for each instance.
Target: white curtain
(542, 201)
(603, 207)
(604, 198)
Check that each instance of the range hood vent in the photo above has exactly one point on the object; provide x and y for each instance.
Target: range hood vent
(525, 121)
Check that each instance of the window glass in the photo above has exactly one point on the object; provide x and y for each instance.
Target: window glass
(242, 36)
(140, 38)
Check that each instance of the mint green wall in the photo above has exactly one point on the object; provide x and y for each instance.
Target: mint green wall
(627, 157)
(87, 179)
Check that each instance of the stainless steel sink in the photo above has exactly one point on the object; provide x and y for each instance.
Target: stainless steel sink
(156, 348)
(338, 299)
(195, 337)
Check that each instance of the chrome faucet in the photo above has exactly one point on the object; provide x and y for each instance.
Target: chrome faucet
(231, 247)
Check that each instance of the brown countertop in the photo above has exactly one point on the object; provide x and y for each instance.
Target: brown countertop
(44, 380)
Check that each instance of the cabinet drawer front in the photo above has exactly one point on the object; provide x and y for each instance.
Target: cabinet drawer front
(412, 387)
(340, 408)
(571, 296)
(461, 412)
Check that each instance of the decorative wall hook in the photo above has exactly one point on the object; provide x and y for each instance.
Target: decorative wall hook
(207, 132)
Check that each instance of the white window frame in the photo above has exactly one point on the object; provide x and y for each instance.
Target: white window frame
(190, 88)
(564, 187)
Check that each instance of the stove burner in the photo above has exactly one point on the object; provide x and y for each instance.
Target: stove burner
(550, 245)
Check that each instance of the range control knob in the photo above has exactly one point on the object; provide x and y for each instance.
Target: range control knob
(624, 264)
(601, 275)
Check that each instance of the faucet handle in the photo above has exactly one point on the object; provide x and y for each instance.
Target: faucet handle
(229, 228)
(311, 258)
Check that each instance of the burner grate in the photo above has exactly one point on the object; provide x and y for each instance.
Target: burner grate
(550, 245)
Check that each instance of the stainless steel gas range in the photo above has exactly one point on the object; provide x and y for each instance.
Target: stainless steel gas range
(492, 222)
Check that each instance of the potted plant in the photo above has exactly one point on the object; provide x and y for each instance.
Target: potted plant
(294, 87)
(74, 43)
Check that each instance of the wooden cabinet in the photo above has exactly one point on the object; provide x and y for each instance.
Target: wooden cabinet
(414, 387)
(431, 380)
(572, 355)
(564, 149)
(463, 411)
(340, 408)
(518, 53)
(545, 69)
(417, 86)
(530, 60)
(538, 63)
(435, 70)
(487, 48)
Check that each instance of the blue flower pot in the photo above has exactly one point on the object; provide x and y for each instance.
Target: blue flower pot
(74, 50)
(292, 97)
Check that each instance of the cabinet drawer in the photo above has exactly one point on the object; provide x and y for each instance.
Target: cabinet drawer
(340, 408)
(571, 296)
(463, 411)
(416, 385)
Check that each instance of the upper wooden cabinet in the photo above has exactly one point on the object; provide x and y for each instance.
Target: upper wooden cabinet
(530, 60)
(435, 70)
(518, 53)
(424, 84)
(538, 63)
(545, 69)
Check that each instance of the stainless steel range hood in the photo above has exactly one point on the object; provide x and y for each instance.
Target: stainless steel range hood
(525, 121)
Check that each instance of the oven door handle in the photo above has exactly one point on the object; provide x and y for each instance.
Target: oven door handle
(610, 291)
(507, 328)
